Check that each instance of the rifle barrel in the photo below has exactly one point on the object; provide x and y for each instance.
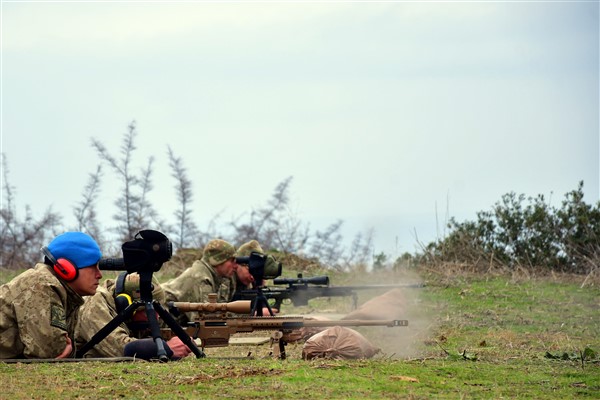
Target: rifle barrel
(381, 286)
(351, 322)
(289, 323)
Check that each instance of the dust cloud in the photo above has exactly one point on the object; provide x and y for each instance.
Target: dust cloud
(404, 303)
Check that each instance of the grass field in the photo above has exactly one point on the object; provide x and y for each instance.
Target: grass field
(470, 336)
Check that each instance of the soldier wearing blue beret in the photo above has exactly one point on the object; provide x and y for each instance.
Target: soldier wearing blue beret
(39, 308)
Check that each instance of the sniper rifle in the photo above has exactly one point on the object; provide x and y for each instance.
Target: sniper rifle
(214, 327)
(299, 290)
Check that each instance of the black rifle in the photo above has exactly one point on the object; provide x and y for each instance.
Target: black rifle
(299, 290)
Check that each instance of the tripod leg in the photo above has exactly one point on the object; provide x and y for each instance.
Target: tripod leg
(108, 328)
(269, 308)
(155, 330)
(175, 327)
(259, 303)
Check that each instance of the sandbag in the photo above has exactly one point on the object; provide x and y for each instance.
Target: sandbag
(338, 342)
(390, 305)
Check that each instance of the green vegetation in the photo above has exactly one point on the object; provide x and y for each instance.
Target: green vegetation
(471, 336)
(518, 233)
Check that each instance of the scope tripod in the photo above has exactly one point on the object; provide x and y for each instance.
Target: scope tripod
(259, 302)
(150, 306)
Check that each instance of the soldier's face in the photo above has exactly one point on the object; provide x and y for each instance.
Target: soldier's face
(244, 275)
(227, 268)
(87, 282)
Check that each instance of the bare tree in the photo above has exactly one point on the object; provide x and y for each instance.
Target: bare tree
(145, 212)
(360, 251)
(292, 234)
(20, 241)
(327, 245)
(276, 226)
(265, 218)
(272, 225)
(134, 210)
(85, 210)
(185, 229)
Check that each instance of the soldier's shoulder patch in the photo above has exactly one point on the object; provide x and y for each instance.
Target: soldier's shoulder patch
(58, 317)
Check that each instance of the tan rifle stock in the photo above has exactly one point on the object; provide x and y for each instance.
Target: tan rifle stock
(214, 326)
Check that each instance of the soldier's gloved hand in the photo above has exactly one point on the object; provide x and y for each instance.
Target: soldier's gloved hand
(145, 349)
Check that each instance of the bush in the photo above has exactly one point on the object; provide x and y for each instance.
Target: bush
(520, 233)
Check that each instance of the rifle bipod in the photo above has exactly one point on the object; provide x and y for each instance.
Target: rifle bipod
(277, 344)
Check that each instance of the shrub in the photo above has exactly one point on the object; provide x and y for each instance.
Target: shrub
(525, 233)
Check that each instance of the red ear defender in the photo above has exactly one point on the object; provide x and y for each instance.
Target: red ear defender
(65, 269)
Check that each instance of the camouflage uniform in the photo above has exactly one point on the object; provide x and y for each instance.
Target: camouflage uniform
(228, 288)
(198, 281)
(37, 312)
(100, 309)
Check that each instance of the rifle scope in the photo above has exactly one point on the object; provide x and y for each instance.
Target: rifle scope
(315, 280)
(238, 307)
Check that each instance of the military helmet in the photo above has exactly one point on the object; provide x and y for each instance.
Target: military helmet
(217, 251)
(247, 248)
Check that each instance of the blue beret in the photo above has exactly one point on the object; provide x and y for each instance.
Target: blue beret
(77, 247)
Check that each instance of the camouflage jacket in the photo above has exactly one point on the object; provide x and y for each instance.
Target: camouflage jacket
(194, 285)
(97, 311)
(228, 287)
(37, 313)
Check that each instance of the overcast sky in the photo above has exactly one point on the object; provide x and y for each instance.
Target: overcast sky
(388, 115)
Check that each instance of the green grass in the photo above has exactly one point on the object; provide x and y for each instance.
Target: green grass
(473, 337)
(431, 378)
